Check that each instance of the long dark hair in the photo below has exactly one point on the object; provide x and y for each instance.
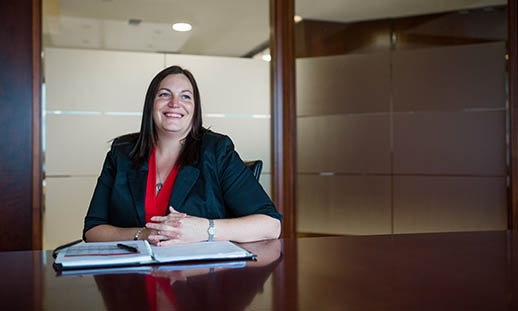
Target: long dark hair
(147, 137)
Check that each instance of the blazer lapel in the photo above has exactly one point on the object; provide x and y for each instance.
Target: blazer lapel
(185, 180)
(137, 181)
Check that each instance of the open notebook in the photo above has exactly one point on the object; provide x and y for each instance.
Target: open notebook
(110, 254)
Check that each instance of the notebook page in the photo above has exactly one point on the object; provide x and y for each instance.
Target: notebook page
(199, 251)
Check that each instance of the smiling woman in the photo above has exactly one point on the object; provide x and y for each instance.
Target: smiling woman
(176, 181)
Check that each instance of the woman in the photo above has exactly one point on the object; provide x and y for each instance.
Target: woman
(176, 181)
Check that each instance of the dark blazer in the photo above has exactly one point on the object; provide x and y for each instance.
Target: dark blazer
(217, 185)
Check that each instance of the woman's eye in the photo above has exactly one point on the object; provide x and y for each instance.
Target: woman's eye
(186, 97)
(163, 95)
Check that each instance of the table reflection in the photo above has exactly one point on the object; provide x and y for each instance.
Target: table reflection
(214, 286)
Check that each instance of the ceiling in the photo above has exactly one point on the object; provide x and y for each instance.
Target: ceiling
(220, 27)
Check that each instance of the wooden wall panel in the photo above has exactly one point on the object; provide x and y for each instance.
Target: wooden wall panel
(512, 69)
(19, 78)
(283, 111)
(319, 38)
(453, 28)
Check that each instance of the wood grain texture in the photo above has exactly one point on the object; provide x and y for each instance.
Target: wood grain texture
(17, 83)
(37, 157)
(513, 108)
(283, 111)
(321, 38)
(441, 271)
(15, 117)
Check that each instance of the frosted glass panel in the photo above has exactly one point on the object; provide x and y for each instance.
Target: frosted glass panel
(266, 181)
(343, 204)
(451, 78)
(344, 143)
(251, 137)
(229, 85)
(343, 84)
(437, 204)
(67, 201)
(450, 143)
(109, 81)
(77, 144)
(91, 80)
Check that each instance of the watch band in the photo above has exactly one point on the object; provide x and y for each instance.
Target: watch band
(211, 230)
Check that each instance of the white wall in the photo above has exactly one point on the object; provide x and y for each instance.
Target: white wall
(94, 96)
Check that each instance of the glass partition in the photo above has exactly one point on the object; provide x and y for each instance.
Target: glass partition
(401, 117)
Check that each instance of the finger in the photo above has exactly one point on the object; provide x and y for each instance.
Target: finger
(159, 218)
(176, 224)
(159, 226)
(168, 234)
(168, 217)
(173, 223)
(173, 211)
(169, 242)
(160, 237)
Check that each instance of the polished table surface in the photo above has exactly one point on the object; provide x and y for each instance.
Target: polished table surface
(440, 271)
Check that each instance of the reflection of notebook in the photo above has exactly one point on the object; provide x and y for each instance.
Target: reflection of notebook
(150, 269)
(107, 254)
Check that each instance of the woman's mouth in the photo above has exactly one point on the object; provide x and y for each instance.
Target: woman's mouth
(173, 115)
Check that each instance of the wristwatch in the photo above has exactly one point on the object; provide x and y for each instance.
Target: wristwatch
(211, 230)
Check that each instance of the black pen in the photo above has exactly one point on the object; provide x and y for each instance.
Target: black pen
(127, 247)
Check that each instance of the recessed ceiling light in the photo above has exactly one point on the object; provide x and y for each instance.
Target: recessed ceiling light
(182, 27)
(266, 57)
(297, 18)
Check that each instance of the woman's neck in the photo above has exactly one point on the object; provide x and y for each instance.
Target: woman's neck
(168, 145)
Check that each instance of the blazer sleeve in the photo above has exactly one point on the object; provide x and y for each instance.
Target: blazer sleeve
(98, 211)
(242, 194)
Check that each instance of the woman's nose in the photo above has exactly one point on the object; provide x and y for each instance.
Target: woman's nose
(173, 102)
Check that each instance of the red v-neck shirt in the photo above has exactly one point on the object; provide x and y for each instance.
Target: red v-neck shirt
(158, 205)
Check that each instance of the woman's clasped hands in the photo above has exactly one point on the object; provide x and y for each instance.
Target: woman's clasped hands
(177, 228)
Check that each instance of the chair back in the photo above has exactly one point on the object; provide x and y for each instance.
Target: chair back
(256, 167)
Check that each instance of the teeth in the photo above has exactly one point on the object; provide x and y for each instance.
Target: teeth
(175, 115)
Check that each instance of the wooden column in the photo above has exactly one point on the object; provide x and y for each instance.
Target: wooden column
(512, 39)
(283, 111)
(20, 114)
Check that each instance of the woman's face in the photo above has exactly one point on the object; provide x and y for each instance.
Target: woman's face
(174, 106)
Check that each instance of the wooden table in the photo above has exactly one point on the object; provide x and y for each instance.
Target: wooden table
(448, 271)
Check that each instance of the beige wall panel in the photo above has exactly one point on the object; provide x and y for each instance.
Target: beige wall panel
(229, 84)
(251, 136)
(77, 144)
(343, 204)
(451, 78)
(92, 80)
(343, 84)
(344, 143)
(450, 143)
(266, 181)
(66, 204)
(441, 204)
